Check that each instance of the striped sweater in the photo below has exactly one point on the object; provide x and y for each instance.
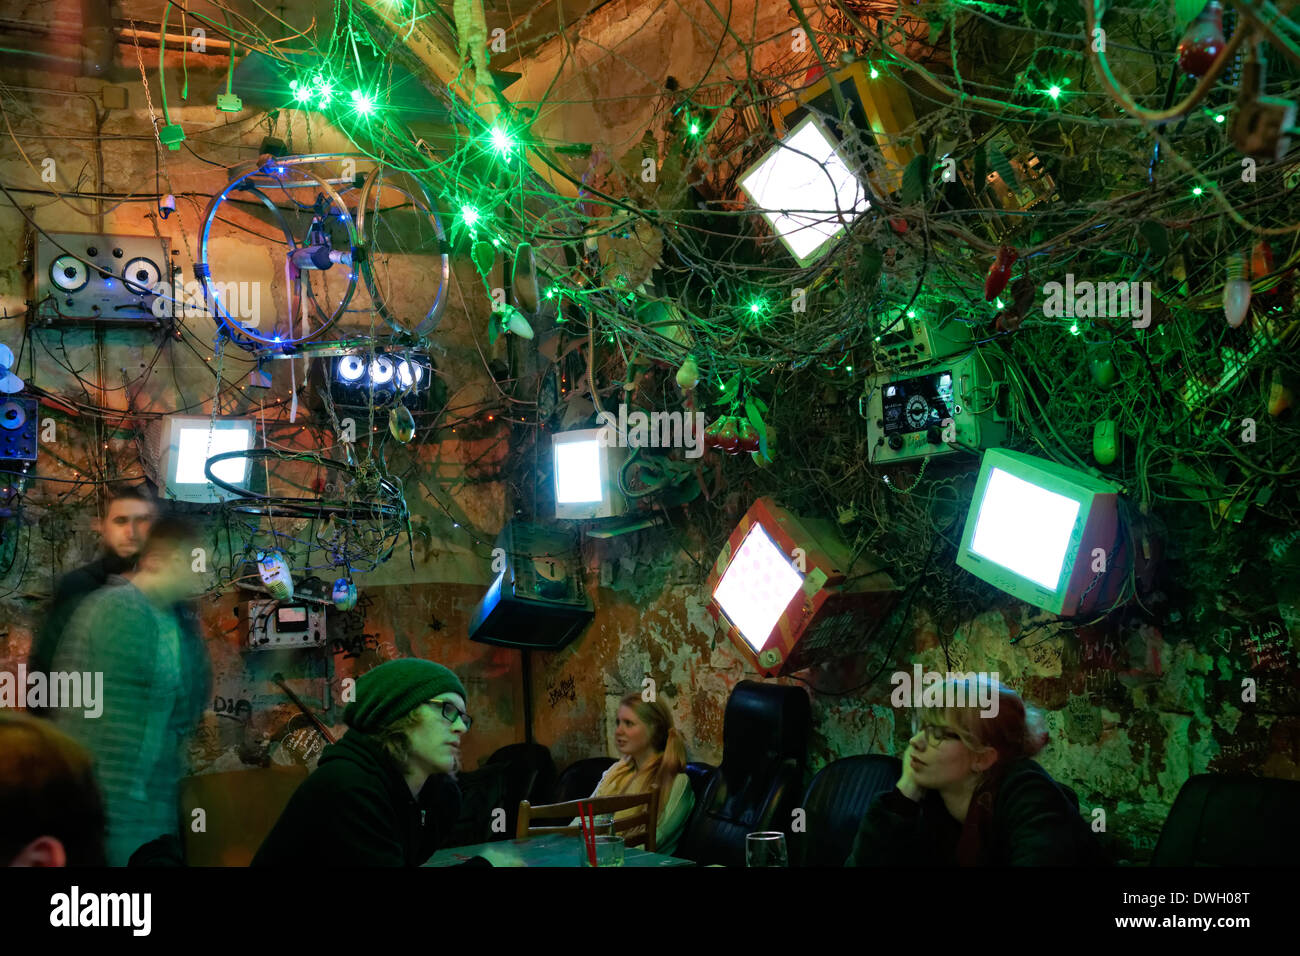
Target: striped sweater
(136, 739)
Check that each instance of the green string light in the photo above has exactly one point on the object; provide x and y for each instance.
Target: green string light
(502, 141)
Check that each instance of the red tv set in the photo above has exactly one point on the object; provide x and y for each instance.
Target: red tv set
(784, 589)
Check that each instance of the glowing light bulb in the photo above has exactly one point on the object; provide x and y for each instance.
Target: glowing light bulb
(874, 73)
(1236, 293)
(363, 103)
(502, 141)
(1054, 91)
(469, 214)
(1197, 190)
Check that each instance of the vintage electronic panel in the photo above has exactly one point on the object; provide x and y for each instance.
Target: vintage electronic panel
(105, 279)
(907, 416)
(275, 626)
(911, 342)
(18, 424)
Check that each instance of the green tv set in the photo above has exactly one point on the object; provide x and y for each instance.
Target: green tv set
(1045, 533)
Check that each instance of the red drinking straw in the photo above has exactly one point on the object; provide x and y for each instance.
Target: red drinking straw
(588, 829)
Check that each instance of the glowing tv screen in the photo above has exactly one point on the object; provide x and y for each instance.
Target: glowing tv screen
(757, 586)
(1044, 533)
(805, 189)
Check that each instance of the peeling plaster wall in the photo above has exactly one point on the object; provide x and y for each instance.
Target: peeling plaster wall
(1132, 714)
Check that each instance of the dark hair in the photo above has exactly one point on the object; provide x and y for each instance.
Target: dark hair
(169, 534)
(47, 788)
(119, 491)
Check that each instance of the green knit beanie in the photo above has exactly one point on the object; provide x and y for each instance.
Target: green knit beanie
(394, 689)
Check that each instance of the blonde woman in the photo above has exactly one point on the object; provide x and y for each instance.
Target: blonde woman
(652, 754)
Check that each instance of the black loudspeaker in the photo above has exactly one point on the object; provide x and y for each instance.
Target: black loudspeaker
(539, 598)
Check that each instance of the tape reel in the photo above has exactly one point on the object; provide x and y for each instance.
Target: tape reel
(69, 273)
(142, 275)
(12, 416)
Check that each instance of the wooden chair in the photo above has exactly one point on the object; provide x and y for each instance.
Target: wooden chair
(600, 805)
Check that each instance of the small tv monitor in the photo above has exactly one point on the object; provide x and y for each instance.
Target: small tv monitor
(756, 587)
(190, 442)
(1045, 533)
(806, 190)
(783, 589)
(587, 462)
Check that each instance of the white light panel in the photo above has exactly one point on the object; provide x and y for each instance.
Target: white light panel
(756, 587)
(578, 476)
(1024, 527)
(193, 452)
(807, 174)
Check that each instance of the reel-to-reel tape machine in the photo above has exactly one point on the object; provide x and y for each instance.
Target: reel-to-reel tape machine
(86, 278)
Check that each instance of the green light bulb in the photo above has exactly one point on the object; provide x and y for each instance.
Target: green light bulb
(1054, 91)
(469, 215)
(694, 128)
(1219, 118)
(874, 73)
(501, 140)
(1074, 329)
(1196, 191)
(363, 103)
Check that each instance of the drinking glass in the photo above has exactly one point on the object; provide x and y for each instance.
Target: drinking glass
(765, 849)
(609, 851)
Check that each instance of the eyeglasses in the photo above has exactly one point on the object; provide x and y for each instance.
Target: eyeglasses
(935, 734)
(450, 712)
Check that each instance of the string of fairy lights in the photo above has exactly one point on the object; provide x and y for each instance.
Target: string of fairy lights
(990, 83)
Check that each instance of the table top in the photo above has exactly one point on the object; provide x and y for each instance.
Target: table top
(552, 849)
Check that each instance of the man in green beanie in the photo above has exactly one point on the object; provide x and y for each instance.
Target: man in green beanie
(386, 792)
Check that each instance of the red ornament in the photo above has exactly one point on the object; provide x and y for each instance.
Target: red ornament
(729, 436)
(711, 434)
(899, 225)
(1000, 273)
(1203, 41)
(748, 436)
(1261, 260)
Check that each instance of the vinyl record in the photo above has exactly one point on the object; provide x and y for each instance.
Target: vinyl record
(12, 416)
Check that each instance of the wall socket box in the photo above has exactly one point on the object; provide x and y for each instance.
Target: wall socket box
(273, 626)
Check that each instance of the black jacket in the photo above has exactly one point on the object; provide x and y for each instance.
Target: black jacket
(1034, 822)
(71, 589)
(356, 810)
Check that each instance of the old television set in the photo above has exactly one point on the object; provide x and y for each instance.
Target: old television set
(790, 593)
(187, 444)
(587, 464)
(1045, 533)
(538, 598)
(806, 189)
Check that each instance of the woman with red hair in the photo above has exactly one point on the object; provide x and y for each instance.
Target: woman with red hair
(970, 793)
